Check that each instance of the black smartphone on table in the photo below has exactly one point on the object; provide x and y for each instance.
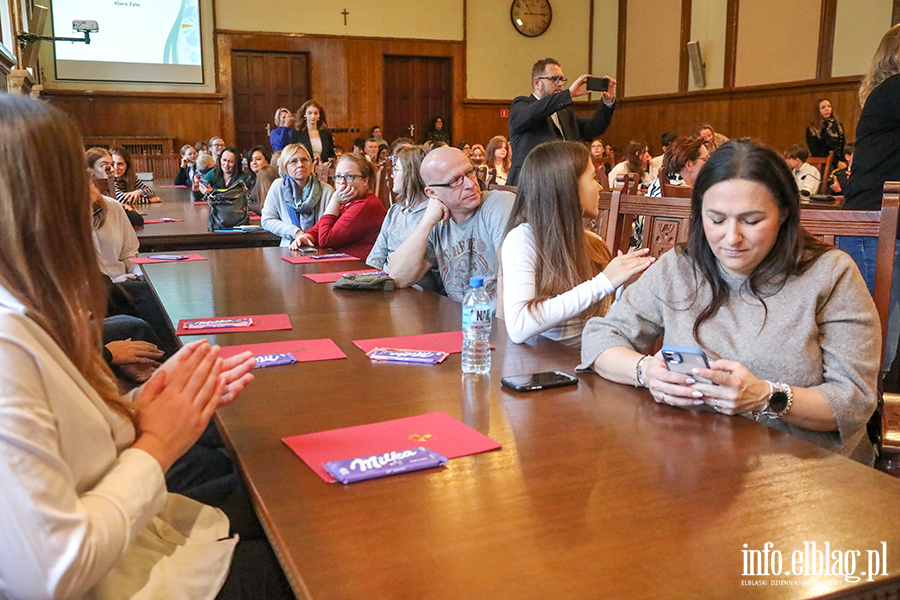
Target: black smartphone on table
(539, 381)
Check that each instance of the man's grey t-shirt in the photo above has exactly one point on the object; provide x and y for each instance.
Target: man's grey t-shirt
(469, 249)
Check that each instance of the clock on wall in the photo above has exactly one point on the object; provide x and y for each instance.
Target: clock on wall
(531, 18)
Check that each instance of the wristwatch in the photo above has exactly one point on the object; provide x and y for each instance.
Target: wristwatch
(780, 400)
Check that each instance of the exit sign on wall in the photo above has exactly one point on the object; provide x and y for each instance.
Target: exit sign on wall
(504, 112)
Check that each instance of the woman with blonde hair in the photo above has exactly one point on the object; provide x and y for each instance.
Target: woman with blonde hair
(295, 202)
(85, 507)
(498, 159)
(555, 275)
(284, 132)
(313, 132)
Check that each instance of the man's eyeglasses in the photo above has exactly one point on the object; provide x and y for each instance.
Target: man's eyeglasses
(348, 178)
(470, 174)
(556, 79)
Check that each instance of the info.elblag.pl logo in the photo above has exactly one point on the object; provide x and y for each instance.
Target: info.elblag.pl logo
(812, 560)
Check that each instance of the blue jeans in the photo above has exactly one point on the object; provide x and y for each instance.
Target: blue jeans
(864, 251)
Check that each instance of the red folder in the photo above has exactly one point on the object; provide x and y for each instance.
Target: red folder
(450, 341)
(144, 260)
(332, 277)
(436, 431)
(309, 260)
(303, 350)
(260, 323)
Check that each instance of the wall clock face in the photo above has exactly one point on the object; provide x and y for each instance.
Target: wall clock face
(531, 18)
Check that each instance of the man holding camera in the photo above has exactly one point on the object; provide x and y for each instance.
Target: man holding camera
(547, 114)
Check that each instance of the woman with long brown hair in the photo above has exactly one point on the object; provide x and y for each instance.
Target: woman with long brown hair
(498, 159)
(129, 189)
(637, 160)
(85, 507)
(825, 133)
(555, 275)
(313, 132)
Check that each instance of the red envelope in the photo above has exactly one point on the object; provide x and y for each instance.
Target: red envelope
(450, 341)
(436, 431)
(302, 350)
(144, 260)
(332, 277)
(260, 323)
(255, 218)
(304, 260)
(150, 221)
(201, 202)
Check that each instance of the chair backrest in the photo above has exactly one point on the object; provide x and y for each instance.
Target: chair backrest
(324, 171)
(502, 188)
(666, 222)
(107, 187)
(674, 191)
(823, 164)
(600, 223)
(601, 177)
(628, 183)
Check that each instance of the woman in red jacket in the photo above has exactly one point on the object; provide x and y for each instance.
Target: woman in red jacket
(353, 216)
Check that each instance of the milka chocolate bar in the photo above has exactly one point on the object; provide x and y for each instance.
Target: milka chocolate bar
(382, 465)
(429, 357)
(273, 360)
(219, 323)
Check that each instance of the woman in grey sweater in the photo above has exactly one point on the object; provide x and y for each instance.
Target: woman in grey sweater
(790, 330)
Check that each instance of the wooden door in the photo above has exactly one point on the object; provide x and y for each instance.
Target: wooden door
(263, 82)
(416, 89)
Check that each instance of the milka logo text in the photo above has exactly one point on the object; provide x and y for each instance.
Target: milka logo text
(379, 460)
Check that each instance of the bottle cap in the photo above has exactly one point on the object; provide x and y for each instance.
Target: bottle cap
(476, 282)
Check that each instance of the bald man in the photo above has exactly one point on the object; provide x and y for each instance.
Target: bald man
(461, 230)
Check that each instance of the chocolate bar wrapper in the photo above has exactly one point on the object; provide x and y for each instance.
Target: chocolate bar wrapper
(219, 323)
(428, 357)
(382, 465)
(338, 255)
(273, 360)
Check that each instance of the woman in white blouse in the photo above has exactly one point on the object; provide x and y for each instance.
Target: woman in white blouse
(555, 275)
(85, 511)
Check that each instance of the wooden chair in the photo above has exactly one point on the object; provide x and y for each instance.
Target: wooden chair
(601, 177)
(503, 188)
(674, 191)
(824, 167)
(628, 183)
(600, 223)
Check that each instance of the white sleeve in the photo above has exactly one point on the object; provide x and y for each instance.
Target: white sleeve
(56, 542)
(615, 172)
(518, 261)
(130, 244)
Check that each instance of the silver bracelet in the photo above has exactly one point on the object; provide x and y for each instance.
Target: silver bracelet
(639, 372)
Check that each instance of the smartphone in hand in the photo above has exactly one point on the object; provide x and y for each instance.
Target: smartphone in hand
(683, 360)
(597, 84)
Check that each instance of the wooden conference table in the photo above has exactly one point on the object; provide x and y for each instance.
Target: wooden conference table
(192, 232)
(597, 492)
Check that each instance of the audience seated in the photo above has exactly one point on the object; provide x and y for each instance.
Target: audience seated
(791, 332)
(664, 141)
(100, 162)
(188, 167)
(637, 160)
(114, 238)
(498, 159)
(202, 148)
(257, 157)
(555, 275)
(437, 133)
(460, 232)
(825, 133)
(266, 176)
(216, 146)
(600, 154)
(359, 147)
(375, 134)
(711, 139)
(399, 143)
(466, 147)
(284, 132)
(296, 201)
(353, 215)
(313, 132)
(839, 177)
(129, 189)
(684, 158)
(371, 149)
(479, 155)
(808, 177)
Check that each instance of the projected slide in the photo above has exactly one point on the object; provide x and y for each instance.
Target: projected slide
(139, 40)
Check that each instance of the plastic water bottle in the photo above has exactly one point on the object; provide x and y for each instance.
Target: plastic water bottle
(476, 325)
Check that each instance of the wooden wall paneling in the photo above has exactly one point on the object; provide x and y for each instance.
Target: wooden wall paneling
(620, 50)
(684, 59)
(731, 42)
(826, 39)
(346, 74)
(185, 117)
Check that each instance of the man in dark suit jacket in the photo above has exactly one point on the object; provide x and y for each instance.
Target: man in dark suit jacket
(547, 115)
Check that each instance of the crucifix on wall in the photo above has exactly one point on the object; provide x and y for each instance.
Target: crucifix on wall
(345, 13)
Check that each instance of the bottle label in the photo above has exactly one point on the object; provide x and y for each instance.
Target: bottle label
(476, 316)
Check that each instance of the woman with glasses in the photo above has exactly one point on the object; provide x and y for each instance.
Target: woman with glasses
(353, 214)
(498, 159)
(555, 275)
(296, 201)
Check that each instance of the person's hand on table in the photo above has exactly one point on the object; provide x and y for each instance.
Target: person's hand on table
(155, 199)
(132, 197)
(137, 360)
(236, 374)
(302, 239)
(736, 389)
(174, 406)
(669, 387)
